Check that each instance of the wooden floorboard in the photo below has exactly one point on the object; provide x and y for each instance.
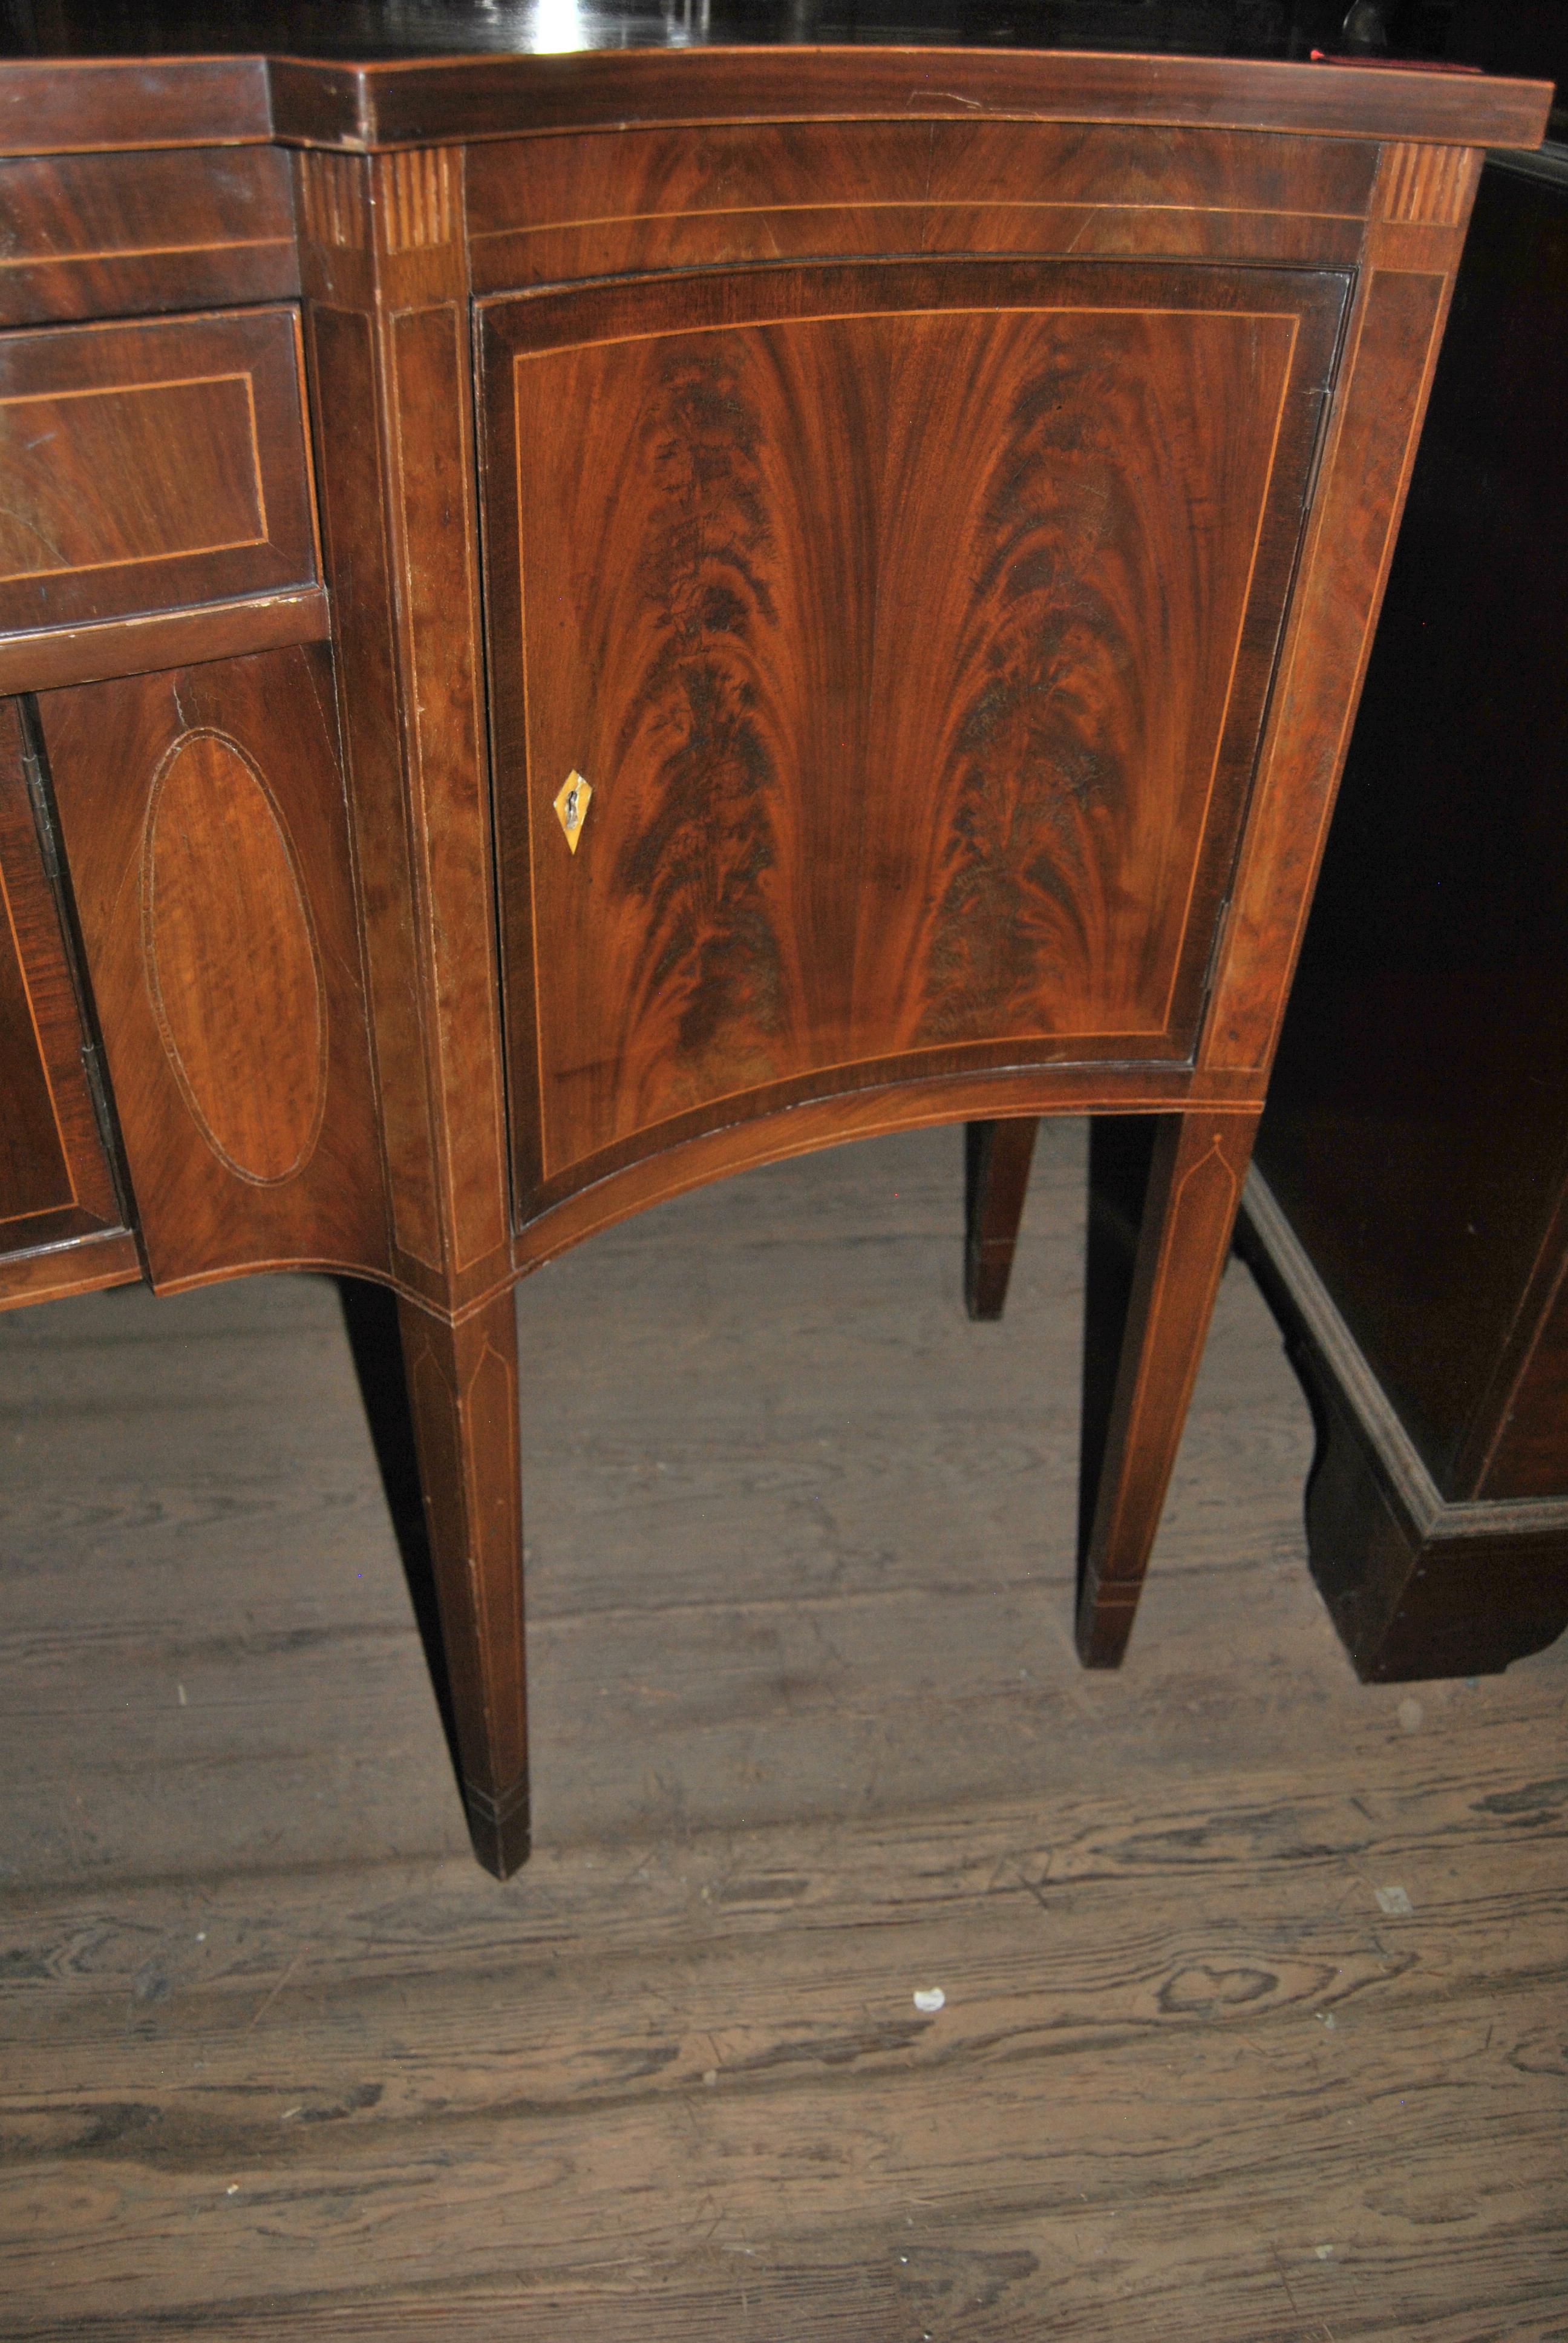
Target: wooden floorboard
(1254, 2022)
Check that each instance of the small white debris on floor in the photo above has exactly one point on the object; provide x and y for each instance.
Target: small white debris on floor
(930, 1999)
(1394, 1902)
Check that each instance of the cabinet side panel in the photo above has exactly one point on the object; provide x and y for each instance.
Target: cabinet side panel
(385, 273)
(429, 363)
(1394, 340)
(358, 565)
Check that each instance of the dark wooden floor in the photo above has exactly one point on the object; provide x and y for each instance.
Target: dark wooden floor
(1255, 2024)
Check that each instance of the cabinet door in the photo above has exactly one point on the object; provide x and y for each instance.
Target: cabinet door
(910, 625)
(204, 815)
(55, 1182)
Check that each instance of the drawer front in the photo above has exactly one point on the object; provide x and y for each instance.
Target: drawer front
(910, 628)
(126, 234)
(151, 466)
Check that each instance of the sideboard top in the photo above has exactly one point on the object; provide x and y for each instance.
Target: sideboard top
(542, 66)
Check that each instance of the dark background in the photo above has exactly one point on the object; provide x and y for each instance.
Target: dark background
(1504, 36)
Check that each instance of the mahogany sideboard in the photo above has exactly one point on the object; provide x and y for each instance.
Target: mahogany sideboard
(575, 622)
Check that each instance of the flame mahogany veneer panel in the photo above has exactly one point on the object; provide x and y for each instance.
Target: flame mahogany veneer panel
(912, 625)
(523, 184)
(613, 201)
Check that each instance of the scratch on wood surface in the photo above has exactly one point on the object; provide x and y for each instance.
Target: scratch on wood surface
(1035, 1888)
(1284, 2281)
(279, 1984)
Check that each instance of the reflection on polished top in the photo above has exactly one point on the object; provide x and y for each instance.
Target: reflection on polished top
(372, 29)
(366, 77)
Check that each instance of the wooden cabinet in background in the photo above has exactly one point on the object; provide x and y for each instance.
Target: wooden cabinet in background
(842, 578)
(1409, 1214)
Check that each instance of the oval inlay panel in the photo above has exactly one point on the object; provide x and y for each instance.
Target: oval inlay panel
(231, 960)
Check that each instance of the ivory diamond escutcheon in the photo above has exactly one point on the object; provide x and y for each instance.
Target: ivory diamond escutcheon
(571, 807)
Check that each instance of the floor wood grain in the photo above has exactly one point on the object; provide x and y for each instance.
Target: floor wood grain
(1254, 2025)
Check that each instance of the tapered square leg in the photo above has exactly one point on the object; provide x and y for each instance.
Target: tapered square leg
(462, 1396)
(997, 1157)
(1185, 1206)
